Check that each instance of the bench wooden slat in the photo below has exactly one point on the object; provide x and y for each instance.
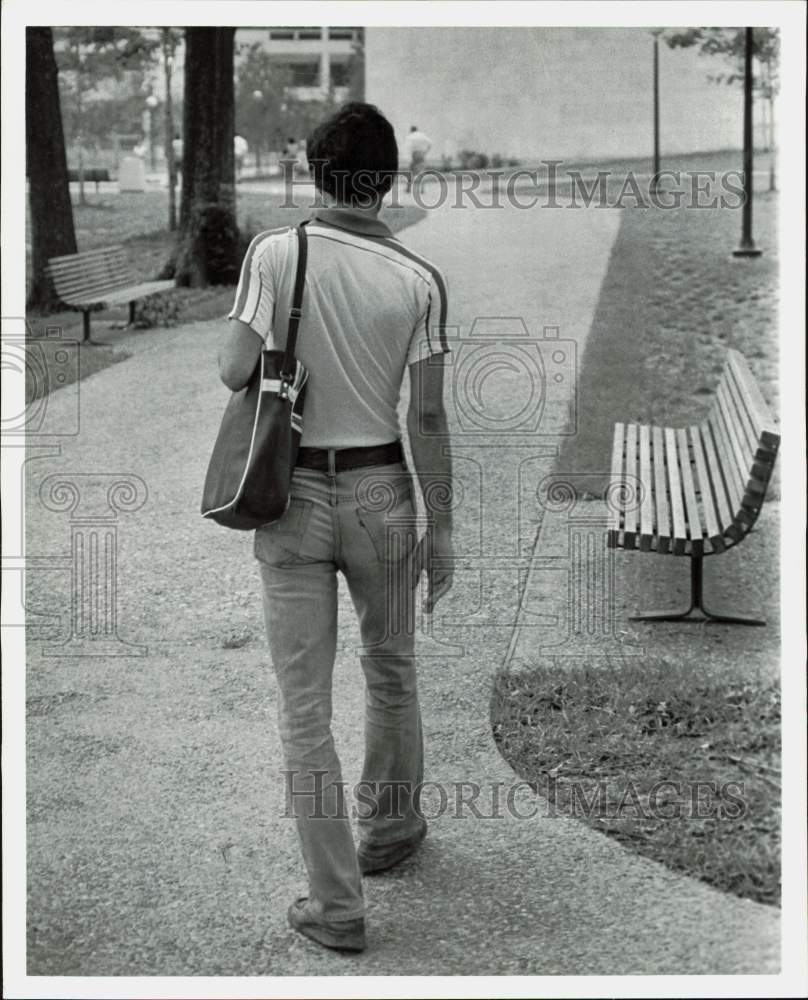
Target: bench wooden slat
(140, 291)
(89, 286)
(83, 266)
(745, 423)
(736, 455)
(705, 491)
(71, 258)
(646, 485)
(615, 483)
(88, 271)
(661, 502)
(675, 493)
(89, 283)
(692, 516)
(92, 270)
(726, 520)
(729, 468)
(762, 419)
(738, 416)
(630, 510)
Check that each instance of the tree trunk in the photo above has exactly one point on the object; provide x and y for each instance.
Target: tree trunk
(207, 248)
(52, 233)
(773, 148)
(80, 122)
(168, 62)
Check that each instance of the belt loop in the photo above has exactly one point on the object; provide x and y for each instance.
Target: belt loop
(332, 475)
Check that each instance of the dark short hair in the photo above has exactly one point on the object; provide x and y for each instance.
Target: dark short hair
(353, 155)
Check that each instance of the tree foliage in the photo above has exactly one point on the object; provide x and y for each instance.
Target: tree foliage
(729, 44)
(261, 101)
(91, 58)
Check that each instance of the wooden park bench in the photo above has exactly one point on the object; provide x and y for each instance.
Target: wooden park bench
(93, 175)
(99, 277)
(695, 491)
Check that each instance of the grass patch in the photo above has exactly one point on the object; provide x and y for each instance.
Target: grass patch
(672, 301)
(681, 769)
(653, 753)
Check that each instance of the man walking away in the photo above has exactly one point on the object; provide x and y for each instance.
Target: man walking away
(372, 309)
(416, 146)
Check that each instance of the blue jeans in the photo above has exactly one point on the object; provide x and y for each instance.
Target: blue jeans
(360, 523)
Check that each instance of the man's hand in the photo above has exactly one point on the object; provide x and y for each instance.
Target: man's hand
(440, 567)
(435, 555)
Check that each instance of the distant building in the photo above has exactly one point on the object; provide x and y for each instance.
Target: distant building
(319, 60)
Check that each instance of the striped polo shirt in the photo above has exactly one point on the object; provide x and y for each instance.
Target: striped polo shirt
(370, 307)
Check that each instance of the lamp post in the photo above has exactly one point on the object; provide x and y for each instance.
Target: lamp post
(656, 32)
(258, 98)
(151, 104)
(747, 247)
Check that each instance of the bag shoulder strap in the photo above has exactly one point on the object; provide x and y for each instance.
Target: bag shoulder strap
(297, 299)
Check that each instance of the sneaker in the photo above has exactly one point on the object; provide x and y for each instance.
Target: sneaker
(375, 858)
(342, 935)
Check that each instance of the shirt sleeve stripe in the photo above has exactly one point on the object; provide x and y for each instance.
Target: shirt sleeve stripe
(244, 281)
(245, 294)
(438, 279)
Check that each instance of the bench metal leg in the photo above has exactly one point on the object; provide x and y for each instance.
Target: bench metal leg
(131, 313)
(86, 339)
(696, 604)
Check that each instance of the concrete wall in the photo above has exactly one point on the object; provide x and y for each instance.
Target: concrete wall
(547, 92)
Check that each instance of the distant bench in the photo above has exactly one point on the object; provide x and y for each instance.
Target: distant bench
(99, 277)
(94, 175)
(695, 491)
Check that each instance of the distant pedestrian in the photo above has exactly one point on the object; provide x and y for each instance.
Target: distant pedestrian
(293, 152)
(240, 149)
(176, 150)
(416, 146)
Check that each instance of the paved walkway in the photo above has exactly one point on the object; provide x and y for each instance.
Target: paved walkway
(156, 843)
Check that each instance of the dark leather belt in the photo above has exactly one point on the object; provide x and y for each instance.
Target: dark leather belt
(350, 458)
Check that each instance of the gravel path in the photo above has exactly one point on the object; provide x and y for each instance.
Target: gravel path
(155, 839)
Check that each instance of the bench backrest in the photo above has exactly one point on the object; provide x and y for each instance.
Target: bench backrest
(744, 435)
(88, 276)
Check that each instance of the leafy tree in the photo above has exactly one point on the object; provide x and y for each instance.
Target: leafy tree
(88, 57)
(261, 101)
(728, 44)
(52, 232)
